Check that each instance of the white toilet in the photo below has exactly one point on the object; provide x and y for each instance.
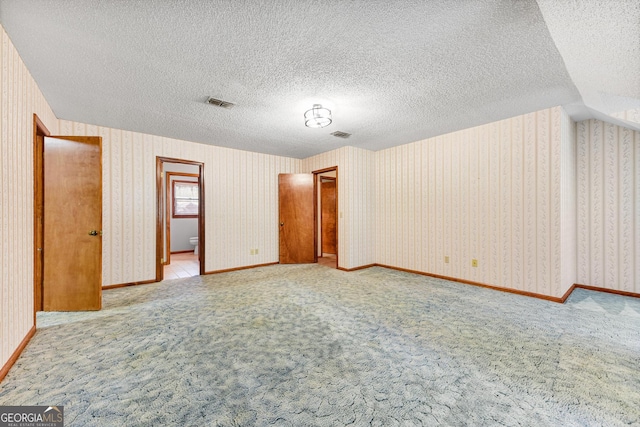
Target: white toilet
(194, 241)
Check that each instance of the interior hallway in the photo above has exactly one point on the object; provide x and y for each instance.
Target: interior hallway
(181, 266)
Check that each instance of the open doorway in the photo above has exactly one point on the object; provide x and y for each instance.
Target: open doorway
(327, 216)
(300, 209)
(180, 245)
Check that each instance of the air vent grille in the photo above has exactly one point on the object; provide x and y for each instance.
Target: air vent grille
(219, 103)
(339, 134)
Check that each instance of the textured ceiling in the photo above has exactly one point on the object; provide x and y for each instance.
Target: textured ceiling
(599, 41)
(392, 72)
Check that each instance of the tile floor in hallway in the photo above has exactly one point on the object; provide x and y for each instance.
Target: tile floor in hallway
(186, 264)
(181, 266)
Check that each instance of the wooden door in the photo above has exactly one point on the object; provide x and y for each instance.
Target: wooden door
(72, 277)
(38, 208)
(296, 204)
(328, 215)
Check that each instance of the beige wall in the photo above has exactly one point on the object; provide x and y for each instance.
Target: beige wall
(608, 221)
(503, 193)
(20, 99)
(356, 202)
(241, 201)
(632, 116)
(491, 193)
(568, 200)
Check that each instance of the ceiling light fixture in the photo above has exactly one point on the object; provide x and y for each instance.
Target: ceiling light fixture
(317, 117)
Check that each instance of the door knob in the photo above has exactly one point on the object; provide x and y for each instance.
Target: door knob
(93, 233)
(281, 224)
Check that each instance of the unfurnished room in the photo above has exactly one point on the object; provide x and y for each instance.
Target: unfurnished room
(320, 213)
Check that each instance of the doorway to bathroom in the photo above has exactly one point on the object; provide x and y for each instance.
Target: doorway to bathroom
(180, 248)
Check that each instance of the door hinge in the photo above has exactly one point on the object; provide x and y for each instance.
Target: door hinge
(161, 174)
(161, 260)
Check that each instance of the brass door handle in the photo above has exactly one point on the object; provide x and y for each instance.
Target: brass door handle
(281, 224)
(93, 233)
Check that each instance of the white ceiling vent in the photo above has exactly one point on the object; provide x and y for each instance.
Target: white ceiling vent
(339, 134)
(219, 103)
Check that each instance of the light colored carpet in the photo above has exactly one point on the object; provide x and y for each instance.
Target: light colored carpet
(305, 345)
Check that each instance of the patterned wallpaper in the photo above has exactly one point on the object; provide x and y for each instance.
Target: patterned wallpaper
(507, 194)
(21, 97)
(568, 197)
(632, 116)
(608, 166)
(240, 201)
(356, 201)
(491, 193)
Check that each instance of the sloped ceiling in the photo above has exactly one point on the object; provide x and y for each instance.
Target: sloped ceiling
(600, 44)
(392, 72)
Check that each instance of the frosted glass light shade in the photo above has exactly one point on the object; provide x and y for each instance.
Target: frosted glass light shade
(317, 117)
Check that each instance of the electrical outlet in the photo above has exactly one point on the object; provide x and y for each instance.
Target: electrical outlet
(252, 251)
(474, 263)
(256, 251)
(446, 259)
